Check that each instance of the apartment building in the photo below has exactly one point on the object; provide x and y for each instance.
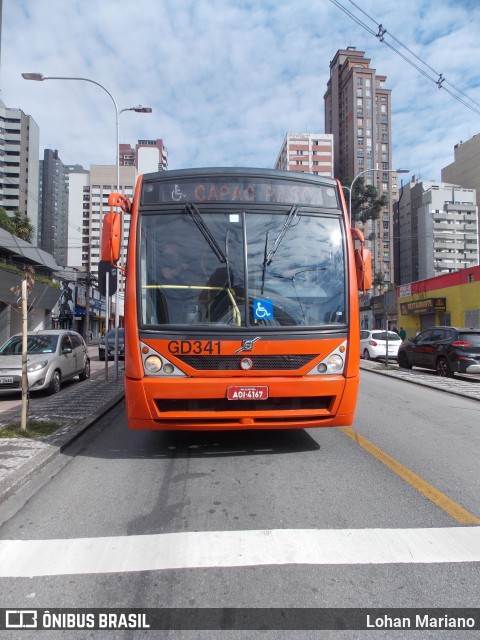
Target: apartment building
(438, 229)
(307, 153)
(19, 175)
(88, 202)
(358, 114)
(52, 233)
(465, 169)
(148, 156)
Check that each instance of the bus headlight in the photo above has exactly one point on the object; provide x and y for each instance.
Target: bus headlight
(332, 364)
(156, 364)
(153, 364)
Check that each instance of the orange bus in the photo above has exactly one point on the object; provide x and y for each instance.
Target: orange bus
(241, 300)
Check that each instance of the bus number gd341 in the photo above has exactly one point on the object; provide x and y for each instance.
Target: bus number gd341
(247, 393)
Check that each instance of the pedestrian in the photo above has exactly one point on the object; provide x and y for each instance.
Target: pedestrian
(402, 333)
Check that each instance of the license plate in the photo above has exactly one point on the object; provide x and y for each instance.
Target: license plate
(247, 393)
(6, 380)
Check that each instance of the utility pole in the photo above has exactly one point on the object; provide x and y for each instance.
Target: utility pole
(25, 391)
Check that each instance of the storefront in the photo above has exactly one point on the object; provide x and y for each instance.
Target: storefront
(452, 299)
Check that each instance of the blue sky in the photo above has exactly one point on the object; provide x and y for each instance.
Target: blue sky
(227, 79)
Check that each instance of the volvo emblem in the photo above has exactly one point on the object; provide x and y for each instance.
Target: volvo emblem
(247, 345)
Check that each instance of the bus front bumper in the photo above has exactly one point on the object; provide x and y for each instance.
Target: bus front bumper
(202, 405)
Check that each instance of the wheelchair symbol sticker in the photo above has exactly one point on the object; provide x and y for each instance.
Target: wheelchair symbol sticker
(262, 309)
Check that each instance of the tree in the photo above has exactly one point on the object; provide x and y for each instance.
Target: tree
(378, 280)
(20, 225)
(24, 229)
(366, 203)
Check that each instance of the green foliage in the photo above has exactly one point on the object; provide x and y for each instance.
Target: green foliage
(366, 202)
(6, 222)
(35, 429)
(20, 225)
(5, 266)
(378, 279)
(24, 229)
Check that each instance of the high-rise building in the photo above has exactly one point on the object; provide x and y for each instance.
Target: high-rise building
(148, 156)
(52, 233)
(88, 202)
(438, 224)
(19, 148)
(465, 168)
(358, 114)
(307, 153)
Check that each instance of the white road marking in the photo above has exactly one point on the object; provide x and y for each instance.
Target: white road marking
(210, 549)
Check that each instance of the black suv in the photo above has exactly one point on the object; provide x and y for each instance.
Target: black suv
(110, 341)
(448, 350)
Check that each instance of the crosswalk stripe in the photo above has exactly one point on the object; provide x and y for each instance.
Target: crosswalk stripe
(207, 549)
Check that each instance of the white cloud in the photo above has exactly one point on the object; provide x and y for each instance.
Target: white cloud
(227, 79)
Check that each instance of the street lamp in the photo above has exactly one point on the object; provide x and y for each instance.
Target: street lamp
(39, 77)
(350, 188)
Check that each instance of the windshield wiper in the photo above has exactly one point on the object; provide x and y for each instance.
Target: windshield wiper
(195, 215)
(268, 257)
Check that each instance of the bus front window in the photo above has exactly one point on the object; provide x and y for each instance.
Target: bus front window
(211, 268)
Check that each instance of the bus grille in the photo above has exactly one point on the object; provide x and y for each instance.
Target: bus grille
(224, 405)
(260, 363)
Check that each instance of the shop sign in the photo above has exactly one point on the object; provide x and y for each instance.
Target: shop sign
(427, 305)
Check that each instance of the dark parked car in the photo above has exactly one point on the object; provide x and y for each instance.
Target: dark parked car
(448, 350)
(111, 345)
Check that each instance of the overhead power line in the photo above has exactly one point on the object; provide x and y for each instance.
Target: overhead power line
(381, 33)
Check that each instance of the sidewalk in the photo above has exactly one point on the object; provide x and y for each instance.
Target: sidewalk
(75, 408)
(468, 388)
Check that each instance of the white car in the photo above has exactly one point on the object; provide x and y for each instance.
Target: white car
(52, 357)
(373, 344)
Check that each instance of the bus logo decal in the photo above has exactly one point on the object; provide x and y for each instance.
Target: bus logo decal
(247, 345)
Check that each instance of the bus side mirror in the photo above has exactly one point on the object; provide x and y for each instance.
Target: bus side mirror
(363, 262)
(111, 237)
(363, 266)
(112, 228)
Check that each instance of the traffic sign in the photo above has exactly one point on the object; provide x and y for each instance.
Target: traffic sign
(105, 268)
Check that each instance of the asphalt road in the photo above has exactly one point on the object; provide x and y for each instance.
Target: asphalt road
(269, 519)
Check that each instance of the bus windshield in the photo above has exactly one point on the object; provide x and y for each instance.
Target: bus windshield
(210, 267)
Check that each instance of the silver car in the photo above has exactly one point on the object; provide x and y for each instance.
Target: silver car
(53, 356)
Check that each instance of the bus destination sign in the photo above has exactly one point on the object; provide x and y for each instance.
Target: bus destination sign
(239, 189)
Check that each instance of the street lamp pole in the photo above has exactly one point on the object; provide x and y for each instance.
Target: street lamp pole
(39, 77)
